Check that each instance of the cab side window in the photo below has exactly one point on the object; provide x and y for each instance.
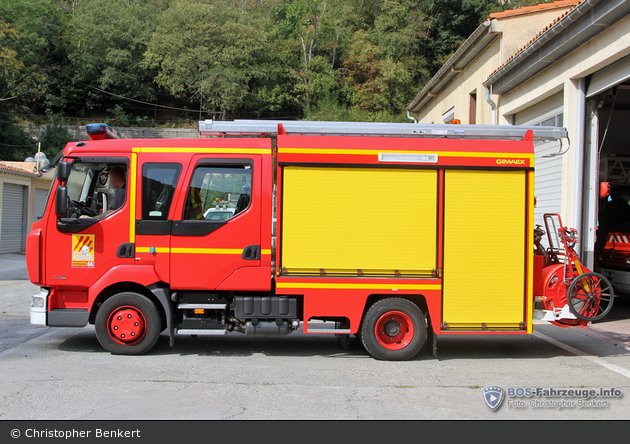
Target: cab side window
(96, 188)
(158, 185)
(218, 193)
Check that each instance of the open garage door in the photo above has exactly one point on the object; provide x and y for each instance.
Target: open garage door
(608, 160)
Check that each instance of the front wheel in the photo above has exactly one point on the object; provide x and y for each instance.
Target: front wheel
(128, 324)
(393, 330)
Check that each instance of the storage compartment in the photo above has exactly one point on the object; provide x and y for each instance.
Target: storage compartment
(485, 223)
(359, 221)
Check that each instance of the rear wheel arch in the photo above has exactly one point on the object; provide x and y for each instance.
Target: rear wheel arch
(417, 299)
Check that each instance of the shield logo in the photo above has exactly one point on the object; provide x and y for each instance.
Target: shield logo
(492, 396)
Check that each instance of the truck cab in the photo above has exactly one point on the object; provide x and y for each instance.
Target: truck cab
(165, 236)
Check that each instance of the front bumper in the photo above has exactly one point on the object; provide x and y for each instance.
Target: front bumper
(39, 307)
(620, 280)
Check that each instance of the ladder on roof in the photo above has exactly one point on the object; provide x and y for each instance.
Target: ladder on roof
(270, 127)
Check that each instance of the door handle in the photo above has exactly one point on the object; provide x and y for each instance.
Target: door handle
(126, 250)
(251, 253)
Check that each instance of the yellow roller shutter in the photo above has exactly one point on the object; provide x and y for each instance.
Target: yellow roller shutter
(346, 219)
(484, 249)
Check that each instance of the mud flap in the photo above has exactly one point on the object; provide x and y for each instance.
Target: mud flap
(161, 294)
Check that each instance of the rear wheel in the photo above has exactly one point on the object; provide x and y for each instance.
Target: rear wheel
(393, 330)
(128, 324)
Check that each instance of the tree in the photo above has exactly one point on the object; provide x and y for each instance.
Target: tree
(55, 137)
(451, 22)
(16, 78)
(205, 52)
(356, 59)
(108, 41)
(375, 80)
(39, 44)
(15, 143)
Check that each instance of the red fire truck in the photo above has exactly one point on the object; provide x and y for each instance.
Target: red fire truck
(615, 260)
(614, 221)
(396, 233)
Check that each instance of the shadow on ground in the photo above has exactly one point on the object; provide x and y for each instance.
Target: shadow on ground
(300, 345)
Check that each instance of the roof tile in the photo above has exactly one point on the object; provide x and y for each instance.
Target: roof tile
(534, 8)
(13, 169)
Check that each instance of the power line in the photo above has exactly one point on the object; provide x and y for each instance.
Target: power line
(8, 144)
(140, 101)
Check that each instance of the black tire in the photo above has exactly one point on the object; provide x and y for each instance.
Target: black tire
(137, 308)
(411, 320)
(582, 302)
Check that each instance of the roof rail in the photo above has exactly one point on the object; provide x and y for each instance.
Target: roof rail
(291, 127)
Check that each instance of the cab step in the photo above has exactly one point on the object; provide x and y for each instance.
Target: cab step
(186, 306)
(201, 331)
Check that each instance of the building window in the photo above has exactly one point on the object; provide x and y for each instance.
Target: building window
(557, 120)
(472, 111)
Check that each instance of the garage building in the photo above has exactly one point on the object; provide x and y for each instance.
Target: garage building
(574, 72)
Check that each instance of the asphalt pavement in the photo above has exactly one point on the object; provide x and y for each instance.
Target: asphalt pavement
(63, 373)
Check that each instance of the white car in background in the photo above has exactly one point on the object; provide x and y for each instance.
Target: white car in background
(219, 214)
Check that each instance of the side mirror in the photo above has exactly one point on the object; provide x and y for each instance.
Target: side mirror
(63, 171)
(61, 202)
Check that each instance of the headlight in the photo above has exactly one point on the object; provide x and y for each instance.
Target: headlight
(37, 302)
(628, 260)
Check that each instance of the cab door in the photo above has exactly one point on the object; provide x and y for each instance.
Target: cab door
(78, 254)
(216, 239)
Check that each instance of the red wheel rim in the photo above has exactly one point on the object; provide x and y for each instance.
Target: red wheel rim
(126, 325)
(394, 330)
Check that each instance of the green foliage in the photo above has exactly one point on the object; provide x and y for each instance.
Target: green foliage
(451, 22)
(342, 60)
(121, 118)
(15, 143)
(109, 39)
(55, 136)
(206, 51)
(39, 49)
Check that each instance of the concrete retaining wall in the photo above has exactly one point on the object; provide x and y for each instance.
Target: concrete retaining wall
(78, 132)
